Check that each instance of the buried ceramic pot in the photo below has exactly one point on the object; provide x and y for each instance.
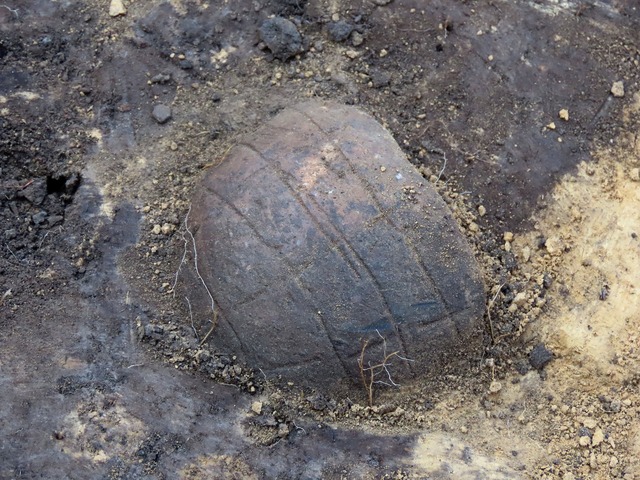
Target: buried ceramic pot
(326, 254)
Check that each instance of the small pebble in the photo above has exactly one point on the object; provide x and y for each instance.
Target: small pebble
(615, 406)
(357, 39)
(167, 228)
(185, 64)
(117, 8)
(283, 430)
(54, 220)
(161, 78)
(39, 217)
(564, 114)
(520, 298)
(554, 246)
(598, 437)
(161, 113)
(380, 78)
(256, 407)
(495, 387)
(617, 89)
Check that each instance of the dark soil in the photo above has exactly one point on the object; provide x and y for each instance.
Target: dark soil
(101, 372)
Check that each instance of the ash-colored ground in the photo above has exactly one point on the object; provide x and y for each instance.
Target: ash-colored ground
(471, 90)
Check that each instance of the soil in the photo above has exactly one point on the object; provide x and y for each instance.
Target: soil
(108, 122)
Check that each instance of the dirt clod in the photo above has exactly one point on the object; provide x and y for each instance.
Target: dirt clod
(281, 37)
(540, 356)
(339, 31)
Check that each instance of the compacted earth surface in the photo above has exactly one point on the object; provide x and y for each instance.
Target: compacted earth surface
(524, 115)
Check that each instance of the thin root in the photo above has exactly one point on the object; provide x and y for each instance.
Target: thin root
(213, 326)
(195, 332)
(12, 10)
(214, 310)
(368, 374)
